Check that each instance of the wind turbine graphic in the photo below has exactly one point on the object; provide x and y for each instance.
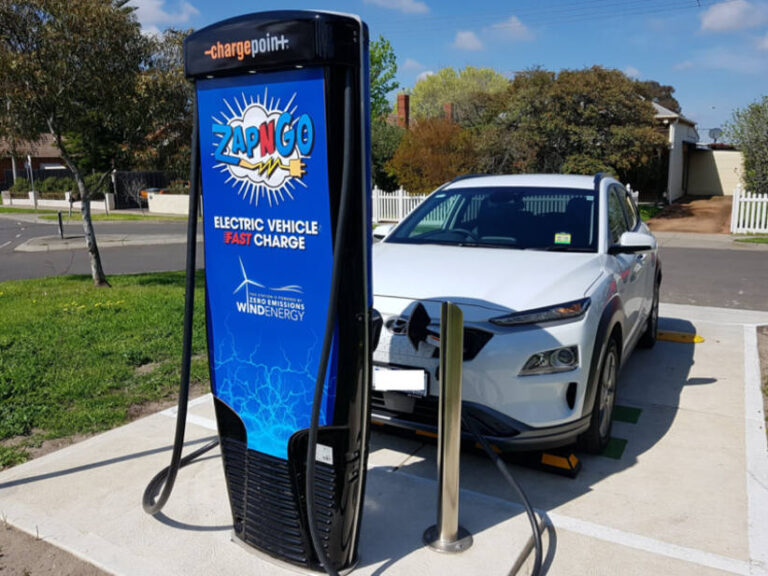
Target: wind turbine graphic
(246, 283)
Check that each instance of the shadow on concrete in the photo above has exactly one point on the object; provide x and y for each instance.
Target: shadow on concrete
(651, 380)
(100, 464)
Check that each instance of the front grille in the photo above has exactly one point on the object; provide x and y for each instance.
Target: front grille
(425, 412)
(424, 409)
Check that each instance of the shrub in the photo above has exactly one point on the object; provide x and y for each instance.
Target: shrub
(66, 185)
(431, 153)
(48, 187)
(178, 187)
(748, 129)
(91, 180)
(21, 185)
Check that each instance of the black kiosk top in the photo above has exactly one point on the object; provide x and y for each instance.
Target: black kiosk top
(272, 40)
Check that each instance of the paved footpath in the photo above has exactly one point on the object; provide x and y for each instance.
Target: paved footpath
(684, 492)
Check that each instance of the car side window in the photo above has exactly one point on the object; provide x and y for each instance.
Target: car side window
(617, 223)
(630, 209)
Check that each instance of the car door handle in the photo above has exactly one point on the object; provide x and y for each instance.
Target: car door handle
(641, 257)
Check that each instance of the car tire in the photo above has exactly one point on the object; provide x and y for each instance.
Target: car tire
(595, 438)
(648, 338)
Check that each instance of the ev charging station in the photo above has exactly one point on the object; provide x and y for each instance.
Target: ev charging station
(280, 158)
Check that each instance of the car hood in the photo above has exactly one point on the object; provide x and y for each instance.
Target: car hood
(496, 278)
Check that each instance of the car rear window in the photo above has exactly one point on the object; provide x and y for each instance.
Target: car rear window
(560, 219)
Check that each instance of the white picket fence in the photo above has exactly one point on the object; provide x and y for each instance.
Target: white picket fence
(749, 213)
(394, 206)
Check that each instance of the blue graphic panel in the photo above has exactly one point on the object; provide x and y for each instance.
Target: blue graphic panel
(268, 248)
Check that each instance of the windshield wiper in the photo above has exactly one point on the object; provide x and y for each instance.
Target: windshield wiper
(557, 248)
(496, 246)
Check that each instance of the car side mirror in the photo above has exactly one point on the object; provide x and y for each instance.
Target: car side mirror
(381, 231)
(632, 242)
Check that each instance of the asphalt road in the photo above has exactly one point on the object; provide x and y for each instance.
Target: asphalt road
(700, 277)
(123, 260)
(720, 278)
(14, 231)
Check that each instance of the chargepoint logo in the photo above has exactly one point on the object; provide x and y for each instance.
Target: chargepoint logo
(262, 146)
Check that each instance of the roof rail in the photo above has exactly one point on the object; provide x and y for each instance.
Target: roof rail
(598, 178)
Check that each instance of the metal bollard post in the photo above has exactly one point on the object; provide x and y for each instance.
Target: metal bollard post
(447, 535)
(61, 227)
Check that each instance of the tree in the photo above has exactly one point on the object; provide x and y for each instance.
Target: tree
(385, 138)
(163, 108)
(748, 129)
(70, 67)
(514, 141)
(655, 92)
(578, 121)
(383, 71)
(434, 151)
(461, 89)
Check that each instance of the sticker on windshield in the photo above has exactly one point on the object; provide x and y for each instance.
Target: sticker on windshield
(562, 238)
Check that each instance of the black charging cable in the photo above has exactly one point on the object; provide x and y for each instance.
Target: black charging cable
(166, 478)
(330, 327)
(536, 570)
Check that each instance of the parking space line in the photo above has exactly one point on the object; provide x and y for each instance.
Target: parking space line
(756, 482)
(651, 545)
(616, 536)
(605, 533)
(757, 457)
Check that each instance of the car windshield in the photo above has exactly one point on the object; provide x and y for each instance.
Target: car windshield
(556, 219)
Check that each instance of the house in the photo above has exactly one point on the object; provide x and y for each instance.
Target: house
(716, 170)
(682, 137)
(44, 155)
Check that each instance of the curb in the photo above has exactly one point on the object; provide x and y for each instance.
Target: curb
(54, 243)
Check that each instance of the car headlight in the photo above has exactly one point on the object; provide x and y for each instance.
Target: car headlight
(565, 311)
(552, 361)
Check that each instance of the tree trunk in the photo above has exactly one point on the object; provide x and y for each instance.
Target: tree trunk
(97, 272)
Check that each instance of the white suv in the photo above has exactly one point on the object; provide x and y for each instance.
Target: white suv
(558, 280)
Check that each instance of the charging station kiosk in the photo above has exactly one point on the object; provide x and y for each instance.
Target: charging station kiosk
(283, 140)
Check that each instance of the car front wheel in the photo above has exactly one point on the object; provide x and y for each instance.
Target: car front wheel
(595, 438)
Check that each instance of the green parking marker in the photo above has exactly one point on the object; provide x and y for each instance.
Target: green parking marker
(626, 414)
(615, 448)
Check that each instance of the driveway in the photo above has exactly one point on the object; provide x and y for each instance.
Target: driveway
(705, 215)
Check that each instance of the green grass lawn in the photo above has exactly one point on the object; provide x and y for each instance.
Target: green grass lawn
(96, 217)
(753, 239)
(648, 211)
(114, 217)
(74, 358)
(6, 210)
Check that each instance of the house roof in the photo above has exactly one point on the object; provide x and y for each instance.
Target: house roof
(44, 147)
(663, 113)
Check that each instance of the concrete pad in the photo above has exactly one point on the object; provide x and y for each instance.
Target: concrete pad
(677, 501)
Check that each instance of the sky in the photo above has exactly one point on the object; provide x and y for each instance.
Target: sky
(714, 52)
